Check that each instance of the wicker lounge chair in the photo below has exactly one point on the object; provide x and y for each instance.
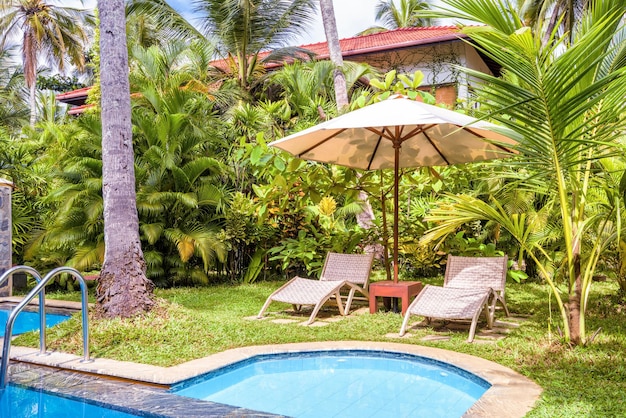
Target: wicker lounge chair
(471, 285)
(340, 271)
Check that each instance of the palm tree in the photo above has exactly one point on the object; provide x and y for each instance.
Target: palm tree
(155, 22)
(123, 289)
(332, 38)
(545, 15)
(53, 33)
(244, 28)
(179, 176)
(180, 182)
(394, 16)
(566, 102)
(13, 108)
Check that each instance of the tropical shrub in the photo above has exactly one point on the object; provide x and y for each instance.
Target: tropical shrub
(565, 98)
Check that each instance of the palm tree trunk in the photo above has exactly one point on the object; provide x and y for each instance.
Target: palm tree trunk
(575, 295)
(32, 102)
(330, 28)
(123, 289)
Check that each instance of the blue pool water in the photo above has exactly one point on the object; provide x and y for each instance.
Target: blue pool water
(28, 321)
(341, 384)
(19, 402)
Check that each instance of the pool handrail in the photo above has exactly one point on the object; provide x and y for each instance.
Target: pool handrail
(38, 289)
(42, 304)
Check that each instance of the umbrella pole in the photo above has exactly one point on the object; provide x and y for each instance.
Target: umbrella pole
(383, 203)
(396, 199)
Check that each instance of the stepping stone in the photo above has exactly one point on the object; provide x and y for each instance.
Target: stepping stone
(488, 338)
(360, 311)
(435, 338)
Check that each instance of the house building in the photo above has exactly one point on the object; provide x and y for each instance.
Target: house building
(437, 51)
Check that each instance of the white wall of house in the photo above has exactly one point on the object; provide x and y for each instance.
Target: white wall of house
(439, 63)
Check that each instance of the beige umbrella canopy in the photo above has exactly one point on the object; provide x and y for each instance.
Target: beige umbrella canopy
(396, 133)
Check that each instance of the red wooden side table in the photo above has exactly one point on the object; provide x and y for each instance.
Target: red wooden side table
(388, 289)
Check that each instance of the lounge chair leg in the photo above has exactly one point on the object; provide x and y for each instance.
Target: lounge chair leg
(349, 300)
(265, 306)
(472, 331)
(405, 322)
(506, 309)
(342, 312)
(491, 310)
(489, 319)
(316, 309)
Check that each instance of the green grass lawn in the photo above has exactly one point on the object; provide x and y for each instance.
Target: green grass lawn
(195, 322)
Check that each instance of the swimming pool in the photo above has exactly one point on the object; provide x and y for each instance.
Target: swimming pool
(28, 321)
(344, 384)
(20, 402)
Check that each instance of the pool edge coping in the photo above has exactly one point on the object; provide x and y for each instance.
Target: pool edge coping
(511, 394)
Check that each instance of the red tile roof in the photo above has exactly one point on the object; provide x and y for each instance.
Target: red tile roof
(77, 110)
(384, 41)
(392, 39)
(74, 97)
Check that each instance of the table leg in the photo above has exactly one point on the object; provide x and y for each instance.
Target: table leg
(405, 303)
(372, 303)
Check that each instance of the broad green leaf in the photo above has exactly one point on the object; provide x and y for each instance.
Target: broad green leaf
(279, 163)
(280, 181)
(256, 154)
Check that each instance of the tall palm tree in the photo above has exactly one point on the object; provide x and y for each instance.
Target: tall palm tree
(50, 32)
(406, 14)
(566, 102)
(123, 289)
(332, 38)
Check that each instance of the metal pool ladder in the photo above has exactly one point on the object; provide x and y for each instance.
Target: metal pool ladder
(39, 290)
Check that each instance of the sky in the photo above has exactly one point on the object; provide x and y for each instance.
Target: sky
(352, 17)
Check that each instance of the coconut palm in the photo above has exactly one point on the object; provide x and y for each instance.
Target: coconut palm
(566, 102)
(123, 289)
(392, 16)
(155, 22)
(334, 48)
(50, 32)
(547, 14)
(243, 29)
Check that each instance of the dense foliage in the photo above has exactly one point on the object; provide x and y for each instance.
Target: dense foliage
(217, 204)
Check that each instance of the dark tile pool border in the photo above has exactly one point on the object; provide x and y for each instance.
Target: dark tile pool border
(131, 398)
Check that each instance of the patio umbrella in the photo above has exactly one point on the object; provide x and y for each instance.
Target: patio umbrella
(396, 133)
